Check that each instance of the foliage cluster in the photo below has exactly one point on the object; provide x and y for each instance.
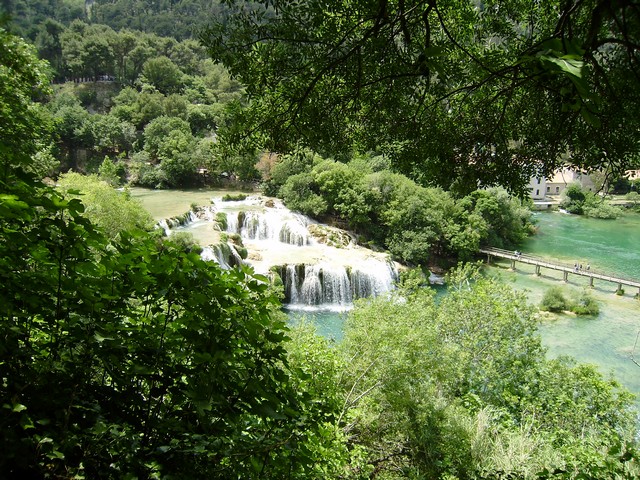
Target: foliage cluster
(238, 197)
(413, 222)
(110, 210)
(180, 19)
(583, 303)
(634, 199)
(624, 185)
(583, 202)
(460, 388)
(154, 112)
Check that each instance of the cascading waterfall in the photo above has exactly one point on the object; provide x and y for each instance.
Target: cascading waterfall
(274, 225)
(333, 286)
(291, 284)
(223, 254)
(374, 279)
(187, 218)
(164, 225)
(329, 272)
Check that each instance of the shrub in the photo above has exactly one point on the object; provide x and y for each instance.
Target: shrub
(554, 300)
(221, 220)
(300, 193)
(234, 198)
(596, 207)
(585, 304)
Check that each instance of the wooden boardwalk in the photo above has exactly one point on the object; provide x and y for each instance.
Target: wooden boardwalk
(539, 263)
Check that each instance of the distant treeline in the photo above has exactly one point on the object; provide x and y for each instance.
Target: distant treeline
(180, 19)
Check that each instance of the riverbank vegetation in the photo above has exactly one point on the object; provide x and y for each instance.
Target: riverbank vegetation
(124, 355)
(415, 223)
(583, 202)
(556, 300)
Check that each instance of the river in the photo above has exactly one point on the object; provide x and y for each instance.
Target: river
(611, 246)
(607, 245)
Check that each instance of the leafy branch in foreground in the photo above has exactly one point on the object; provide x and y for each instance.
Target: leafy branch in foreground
(130, 357)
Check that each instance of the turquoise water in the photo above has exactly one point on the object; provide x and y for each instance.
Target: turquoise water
(609, 245)
(612, 246)
(328, 323)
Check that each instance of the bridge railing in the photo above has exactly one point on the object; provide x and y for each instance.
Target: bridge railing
(557, 265)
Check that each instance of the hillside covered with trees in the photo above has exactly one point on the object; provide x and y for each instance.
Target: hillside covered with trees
(124, 355)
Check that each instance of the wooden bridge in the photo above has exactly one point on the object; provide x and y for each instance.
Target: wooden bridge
(566, 269)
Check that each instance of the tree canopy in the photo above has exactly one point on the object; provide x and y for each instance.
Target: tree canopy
(455, 92)
(23, 124)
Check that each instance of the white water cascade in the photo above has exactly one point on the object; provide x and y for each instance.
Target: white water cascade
(274, 225)
(335, 287)
(316, 273)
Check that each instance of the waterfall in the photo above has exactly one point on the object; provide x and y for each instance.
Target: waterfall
(164, 225)
(311, 289)
(291, 284)
(277, 225)
(232, 223)
(224, 254)
(321, 267)
(373, 279)
(187, 218)
(335, 287)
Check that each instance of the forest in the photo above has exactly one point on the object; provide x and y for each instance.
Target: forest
(123, 354)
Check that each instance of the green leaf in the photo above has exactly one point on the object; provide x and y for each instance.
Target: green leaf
(567, 64)
(590, 118)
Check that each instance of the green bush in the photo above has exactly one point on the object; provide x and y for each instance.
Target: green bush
(585, 304)
(554, 300)
(595, 207)
(301, 193)
(221, 220)
(234, 198)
